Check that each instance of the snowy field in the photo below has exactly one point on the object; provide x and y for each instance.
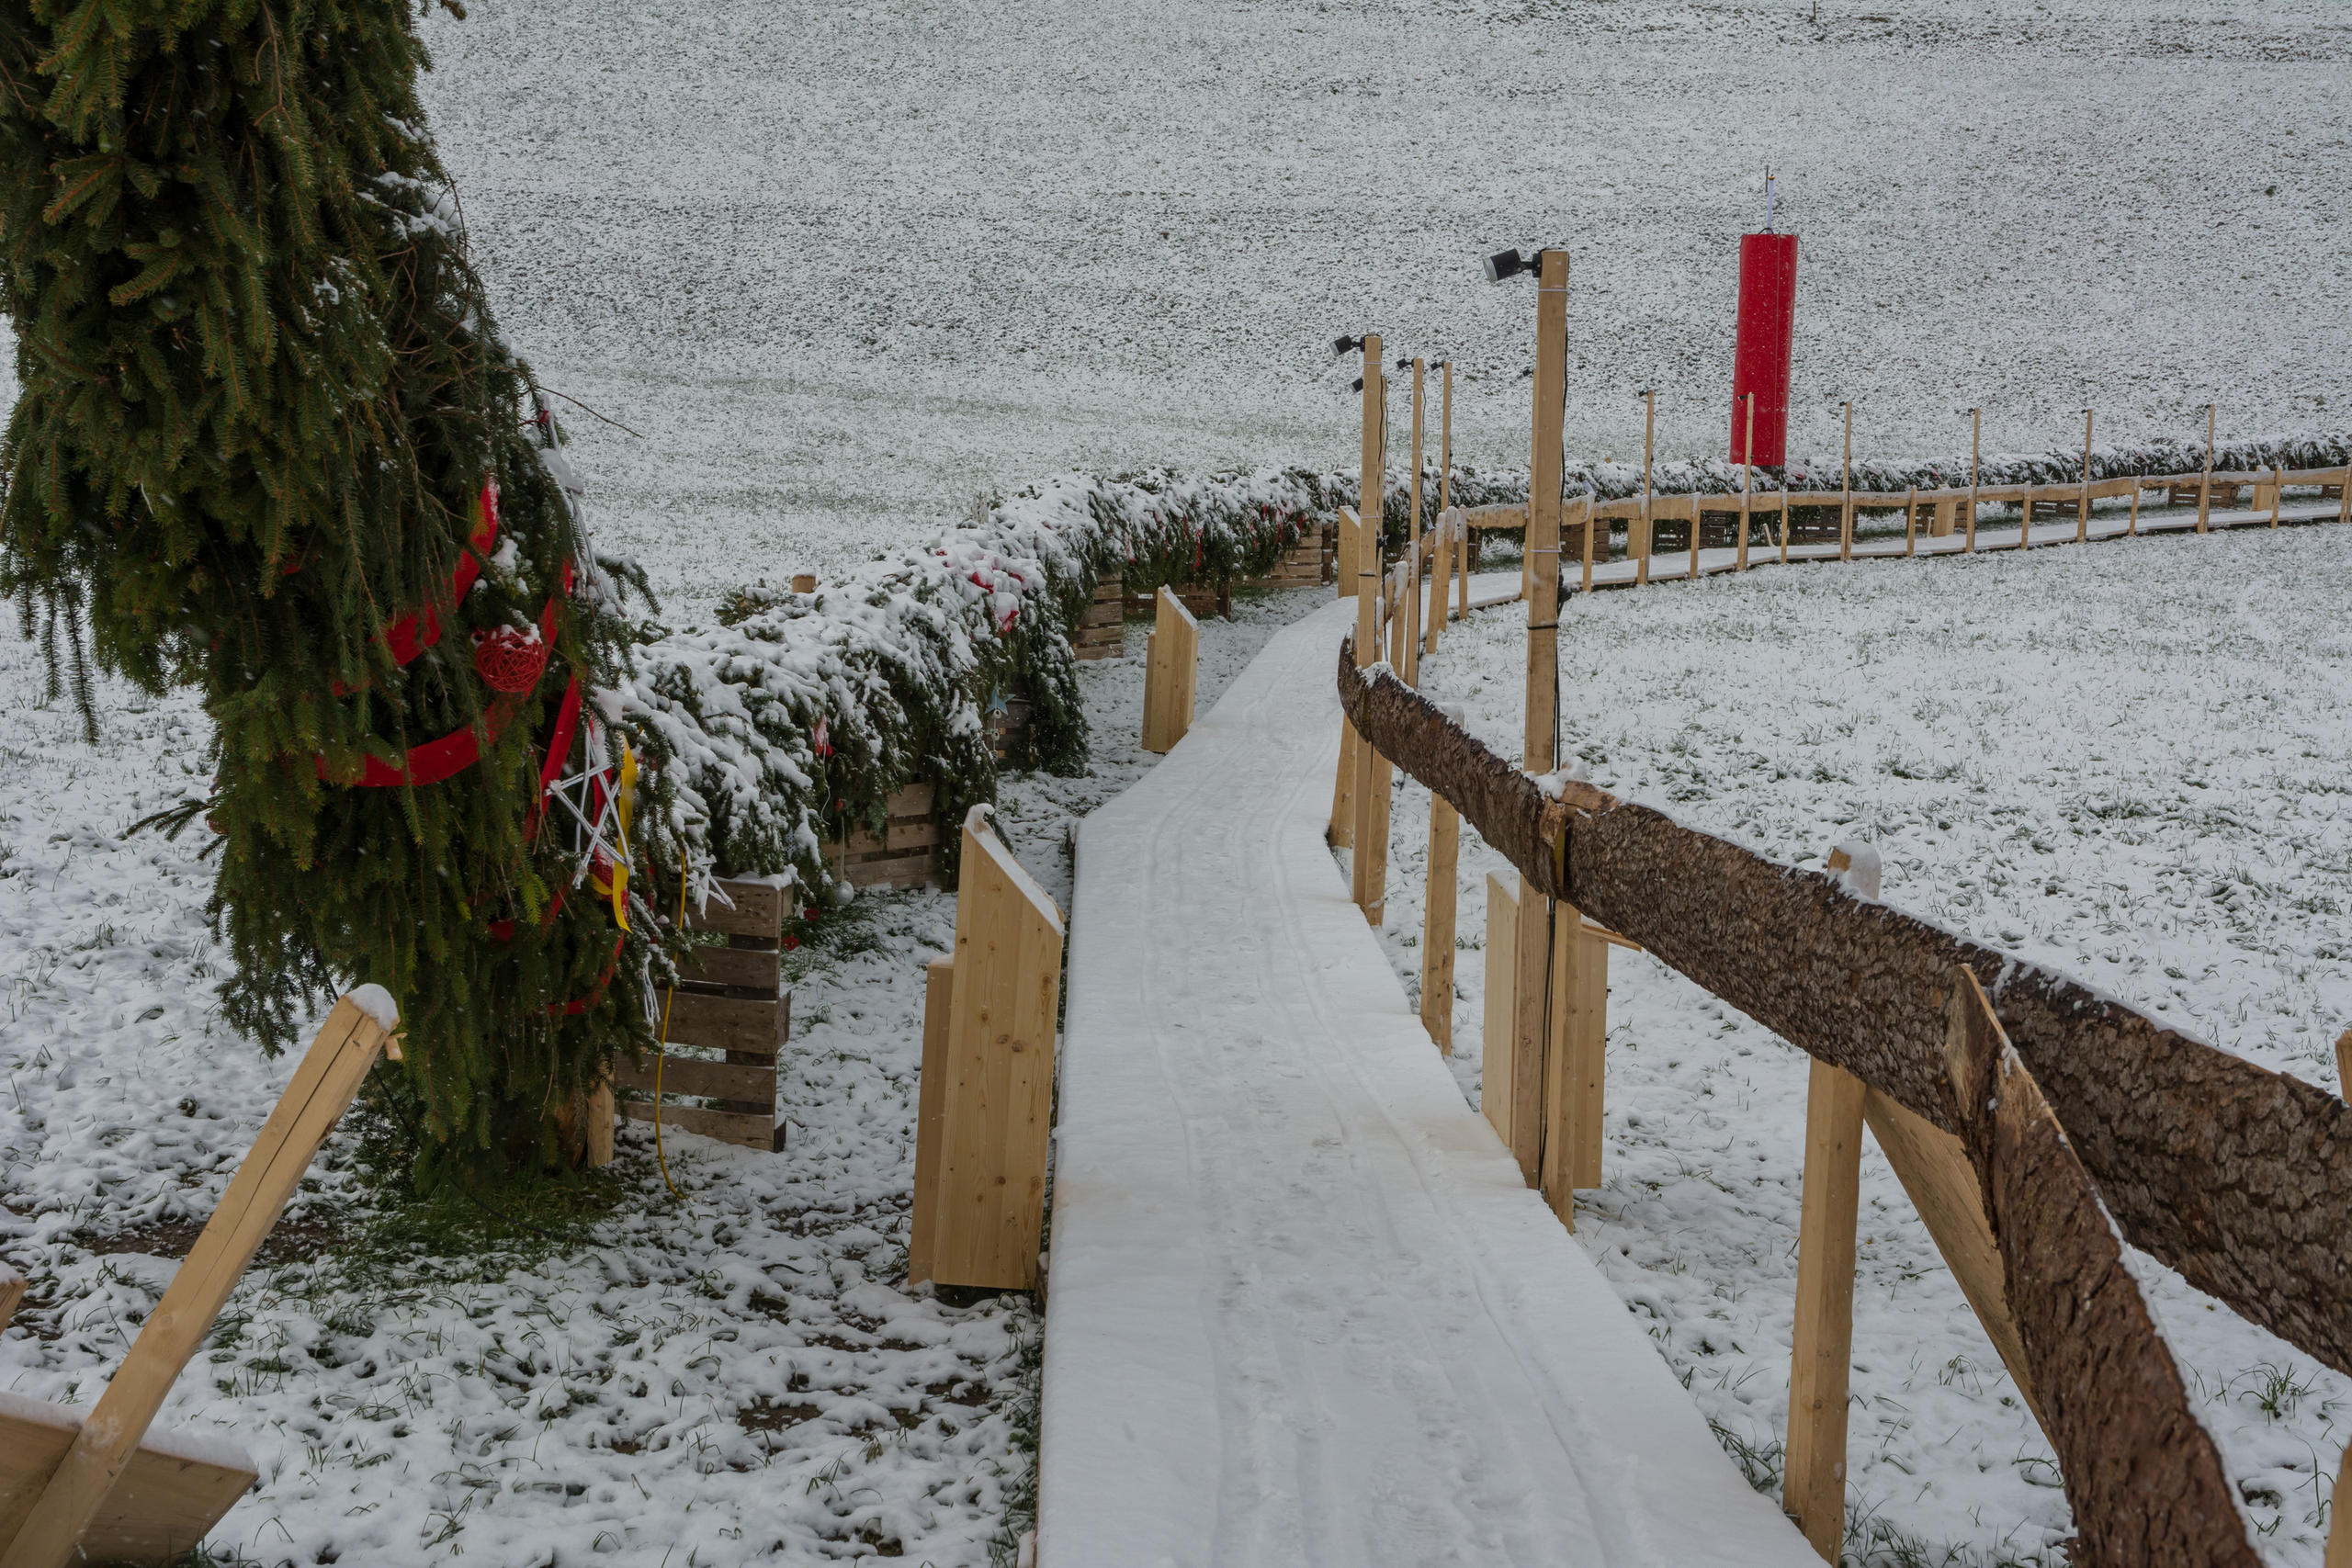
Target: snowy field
(731, 1376)
(845, 264)
(2129, 762)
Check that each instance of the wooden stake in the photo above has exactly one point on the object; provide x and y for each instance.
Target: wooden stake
(2343, 1066)
(1437, 924)
(2082, 506)
(1409, 644)
(1785, 514)
(1976, 450)
(1445, 478)
(2205, 487)
(1591, 526)
(1532, 991)
(1695, 518)
(1911, 522)
(598, 1144)
(2339, 1517)
(1846, 512)
(2278, 491)
(1557, 1181)
(1813, 1493)
(1746, 480)
(2132, 525)
(331, 1072)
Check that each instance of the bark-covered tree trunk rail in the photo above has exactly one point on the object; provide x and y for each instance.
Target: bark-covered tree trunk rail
(2146, 1482)
(2238, 1177)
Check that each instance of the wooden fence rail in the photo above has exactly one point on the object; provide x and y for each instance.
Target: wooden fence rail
(2237, 1176)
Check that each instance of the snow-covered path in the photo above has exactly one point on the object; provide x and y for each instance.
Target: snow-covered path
(1301, 1309)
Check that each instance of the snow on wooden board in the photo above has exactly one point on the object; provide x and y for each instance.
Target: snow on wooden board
(1301, 1307)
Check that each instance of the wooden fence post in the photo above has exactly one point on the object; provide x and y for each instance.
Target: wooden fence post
(1406, 648)
(2205, 487)
(1501, 1011)
(1369, 839)
(1846, 512)
(987, 1190)
(1821, 1358)
(1911, 522)
(324, 1081)
(1171, 672)
(1441, 582)
(1975, 452)
(1437, 923)
(2025, 518)
(2083, 506)
(1575, 1082)
(1343, 799)
(1445, 480)
(1746, 480)
(1644, 524)
(2278, 491)
(1532, 991)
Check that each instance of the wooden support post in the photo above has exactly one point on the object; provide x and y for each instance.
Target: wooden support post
(1437, 924)
(2339, 1517)
(988, 1202)
(1813, 1493)
(1408, 645)
(931, 1116)
(1348, 539)
(1532, 991)
(2343, 1066)
(1500, 1017)
(2344, 496)
(1171, 672)
(331, 1072)
(2132, 523)
(1975, 451)
(2025, 518)
(2205, 486)
(2278, 491)
(1846, 512)
(1784, 515)
(1696, 519)
(1369, 840)
(1746, 480)
(1911, 522)
(1641, 551)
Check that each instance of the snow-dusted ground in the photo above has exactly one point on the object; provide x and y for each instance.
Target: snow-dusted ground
(1302, 1307)
(2127, 761)
(735, 1376)
(845, 264)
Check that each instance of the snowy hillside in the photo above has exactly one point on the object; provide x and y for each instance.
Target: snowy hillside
(844, 266)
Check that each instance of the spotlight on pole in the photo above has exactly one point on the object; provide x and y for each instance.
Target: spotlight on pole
(1344, 345)
(1508, 264)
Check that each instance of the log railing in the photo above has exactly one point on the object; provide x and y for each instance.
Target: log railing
(2237, 1176)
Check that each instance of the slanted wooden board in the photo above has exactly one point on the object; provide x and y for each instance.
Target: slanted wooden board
(77, 1487)
(1170, 674)
(931, 1116)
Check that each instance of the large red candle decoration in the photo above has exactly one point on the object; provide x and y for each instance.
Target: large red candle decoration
(1768, 300)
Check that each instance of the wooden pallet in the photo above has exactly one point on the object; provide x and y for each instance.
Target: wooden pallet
(1202, 601)
(905, 855)
(2225, 494)
(728, 999)
(1101, 633)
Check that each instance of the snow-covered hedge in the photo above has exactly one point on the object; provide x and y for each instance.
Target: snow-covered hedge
(800, 715)
(803, 715)
(1614, 481)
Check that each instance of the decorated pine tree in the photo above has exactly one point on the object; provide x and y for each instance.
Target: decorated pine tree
(269, 444)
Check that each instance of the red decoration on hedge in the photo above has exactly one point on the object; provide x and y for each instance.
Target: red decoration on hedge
(511, 660)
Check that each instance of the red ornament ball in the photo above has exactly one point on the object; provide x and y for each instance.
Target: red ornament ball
(510, 659)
